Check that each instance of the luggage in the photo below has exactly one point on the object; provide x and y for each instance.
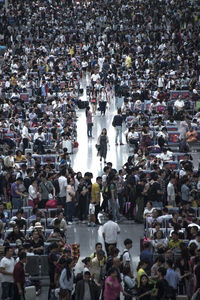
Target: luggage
(82, 104)
(52, 203)
(182, 297)
(30, 293)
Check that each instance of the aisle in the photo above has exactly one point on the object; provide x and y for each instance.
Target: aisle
(85, 157)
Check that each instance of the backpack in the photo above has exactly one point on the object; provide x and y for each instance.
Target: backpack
(122, 255)
(106, 192)
(151, 192)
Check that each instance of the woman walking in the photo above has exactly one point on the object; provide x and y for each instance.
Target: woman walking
(102, 143)
(103, 101)
(66, 280)
(94, 101)
(89, 121)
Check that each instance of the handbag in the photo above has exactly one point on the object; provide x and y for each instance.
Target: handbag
(97, 147)
(51, 203)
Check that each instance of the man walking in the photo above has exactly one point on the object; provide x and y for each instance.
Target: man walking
(110, 231)
(6, 269)
(96, 196)
(19, 277)
(117, 123)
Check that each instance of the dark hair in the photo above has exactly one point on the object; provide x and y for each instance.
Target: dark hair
(162, 271)
(98, 244)
(57, 222)
(160, 259)
(6, 249)
(126, 270)
(86, 260)
(142, 262)
(87, 273)
(22, 255)
(112, 270)
(170, 263)
(128, 242)
(86, 110)
(68, 271)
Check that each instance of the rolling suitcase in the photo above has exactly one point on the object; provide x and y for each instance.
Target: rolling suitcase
(30, 293)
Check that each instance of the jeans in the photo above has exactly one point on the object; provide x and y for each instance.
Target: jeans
(17, 203)
(7, 290)
(89, 129)
(115, 209)
(69, 211)
(62, 200)
(118, 134)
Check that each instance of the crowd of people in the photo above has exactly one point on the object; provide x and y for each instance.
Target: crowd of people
(145, 56)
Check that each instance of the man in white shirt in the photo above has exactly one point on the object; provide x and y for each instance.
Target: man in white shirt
(110, 231)
(62, 180)
(165, 155)
(6, 269)
(171, 192)
(26, 137)
(126, 255)
(179, 104)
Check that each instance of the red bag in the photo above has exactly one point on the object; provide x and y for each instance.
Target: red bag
(75, 144)
(51, 203)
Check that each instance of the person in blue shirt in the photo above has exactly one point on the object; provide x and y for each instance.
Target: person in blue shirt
(172, 278)
(147, 255)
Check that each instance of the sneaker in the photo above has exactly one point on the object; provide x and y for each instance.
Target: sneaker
(89, 225)
(69, 223)
(116, 144)
(121, 144)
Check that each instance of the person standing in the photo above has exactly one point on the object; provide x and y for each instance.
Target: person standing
(46, 188)
(62, 181)
(26, 137)
(103, 101)
(114, 202)
(69, 200)
(96, 196)
(117, 123)
(86, 288)
(19, 277)
(88, 114)
(171, 192)
(126, 255)
(17, 195)
(110, 231)
(103, 142)
(66, 280)
(172, 278)
(6, 269)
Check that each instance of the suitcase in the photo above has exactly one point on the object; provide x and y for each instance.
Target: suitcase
(30, 293)
(82, 104)
(182, 297)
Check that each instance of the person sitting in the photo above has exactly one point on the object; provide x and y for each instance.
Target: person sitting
(19, 157)
(159, 243)
(175, 242)
(15, 235)
(133, 138)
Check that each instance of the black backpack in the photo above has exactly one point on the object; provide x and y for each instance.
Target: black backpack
(122, 255)
(106, 192)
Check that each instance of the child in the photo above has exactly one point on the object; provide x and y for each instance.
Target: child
(92, 219)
